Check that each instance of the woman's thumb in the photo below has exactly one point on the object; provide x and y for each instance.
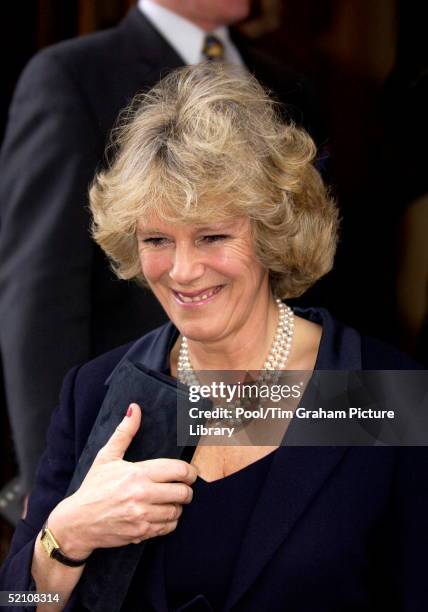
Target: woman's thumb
(122, 436)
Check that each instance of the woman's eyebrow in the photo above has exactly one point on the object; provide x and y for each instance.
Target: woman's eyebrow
(216, 226)
(150, 230)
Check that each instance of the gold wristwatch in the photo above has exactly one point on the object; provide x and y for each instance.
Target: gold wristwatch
(54, 551)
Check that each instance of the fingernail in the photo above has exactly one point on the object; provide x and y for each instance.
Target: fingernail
(129, 411)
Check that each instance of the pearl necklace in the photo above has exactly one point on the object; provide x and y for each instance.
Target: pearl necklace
(275, 361)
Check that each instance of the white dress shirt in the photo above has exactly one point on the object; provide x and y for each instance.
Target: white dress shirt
(186, 38)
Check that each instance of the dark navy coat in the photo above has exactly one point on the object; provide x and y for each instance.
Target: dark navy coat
(335, 529)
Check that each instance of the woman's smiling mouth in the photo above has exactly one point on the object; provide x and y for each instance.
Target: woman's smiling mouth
(196, 298)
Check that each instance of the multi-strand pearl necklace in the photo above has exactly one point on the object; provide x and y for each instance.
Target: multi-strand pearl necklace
(275, 361)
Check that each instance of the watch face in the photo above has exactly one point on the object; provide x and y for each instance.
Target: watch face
(48, 542)
(53, 549)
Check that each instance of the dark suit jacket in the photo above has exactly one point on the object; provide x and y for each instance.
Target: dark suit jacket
(336, 529)
(55, 283)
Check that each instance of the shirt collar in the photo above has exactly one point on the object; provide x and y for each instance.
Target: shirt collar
(185, 37)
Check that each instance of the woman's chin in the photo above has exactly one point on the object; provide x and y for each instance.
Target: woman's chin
(199, 332)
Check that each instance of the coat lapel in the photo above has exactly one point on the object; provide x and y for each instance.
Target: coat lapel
(141, 58)
(297, 473)
(294, 479)
(143, 42)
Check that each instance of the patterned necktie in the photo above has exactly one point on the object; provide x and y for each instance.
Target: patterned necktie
(213, 49)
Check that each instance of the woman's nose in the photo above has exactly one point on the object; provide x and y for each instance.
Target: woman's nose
(186, 265)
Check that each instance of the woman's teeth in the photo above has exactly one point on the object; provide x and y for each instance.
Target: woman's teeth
(200, 297)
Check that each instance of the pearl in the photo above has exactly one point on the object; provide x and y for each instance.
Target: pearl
(274, 362)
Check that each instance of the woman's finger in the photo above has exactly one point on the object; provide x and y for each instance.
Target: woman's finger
(168, 470)
(164, 513)
(117, 445)
(166, 493)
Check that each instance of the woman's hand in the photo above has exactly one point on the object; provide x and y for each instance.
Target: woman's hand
(120, 502)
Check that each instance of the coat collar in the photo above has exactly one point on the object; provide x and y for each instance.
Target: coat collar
(340, 345)
(294, 479)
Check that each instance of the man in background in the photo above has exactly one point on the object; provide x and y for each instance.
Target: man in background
(59, 301)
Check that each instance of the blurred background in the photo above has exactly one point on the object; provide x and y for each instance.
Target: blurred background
(367, 59)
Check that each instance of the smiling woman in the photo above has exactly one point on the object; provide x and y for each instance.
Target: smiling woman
(208, 283)
(228, 210)
(213, 202)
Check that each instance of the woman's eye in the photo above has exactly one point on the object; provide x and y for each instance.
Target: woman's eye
(214, 238)
(155, 241)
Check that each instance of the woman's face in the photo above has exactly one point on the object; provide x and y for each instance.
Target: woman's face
(207, 278)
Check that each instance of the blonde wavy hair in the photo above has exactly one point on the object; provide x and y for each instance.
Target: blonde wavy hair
(206, 144)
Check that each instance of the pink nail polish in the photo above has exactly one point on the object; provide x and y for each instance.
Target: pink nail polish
(129, 411)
